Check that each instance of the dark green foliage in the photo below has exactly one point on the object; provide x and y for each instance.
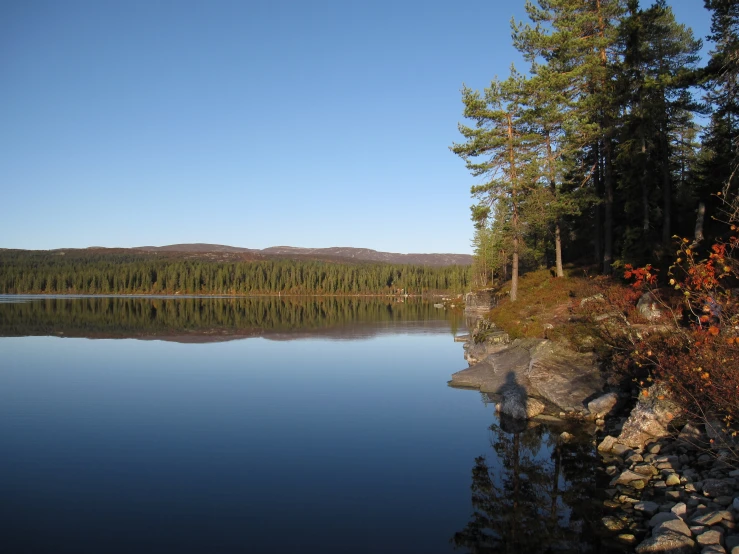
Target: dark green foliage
(78, 272)
(614, 160)
(203, 318)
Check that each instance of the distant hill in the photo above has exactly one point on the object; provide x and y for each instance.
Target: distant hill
(336, 253)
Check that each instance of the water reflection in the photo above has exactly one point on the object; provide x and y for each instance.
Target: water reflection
(533, 494)
(208, 319)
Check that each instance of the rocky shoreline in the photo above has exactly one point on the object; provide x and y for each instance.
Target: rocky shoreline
(671, 495)
(670, 489)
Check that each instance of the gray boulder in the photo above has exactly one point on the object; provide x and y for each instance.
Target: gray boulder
(648, 307)
(672, 526)
(603, 405)
(564, 377)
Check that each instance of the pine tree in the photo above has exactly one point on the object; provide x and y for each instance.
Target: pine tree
(571, 45)
(500, 148)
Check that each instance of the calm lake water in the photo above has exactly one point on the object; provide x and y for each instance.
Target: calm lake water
(266, 425)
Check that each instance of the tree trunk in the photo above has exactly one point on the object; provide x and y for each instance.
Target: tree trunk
(608, 222)
(558, 250)
(607, 159)
(514, 201)
(666, 189)
(598, 217)
(557, 233)
(699, 223)
(644, 188)
(514, 271)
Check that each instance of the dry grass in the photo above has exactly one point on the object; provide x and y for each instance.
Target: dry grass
(546, 306)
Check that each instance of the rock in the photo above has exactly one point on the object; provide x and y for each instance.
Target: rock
(713, 549)
(649, 418)
(566, 437)
(534, 407)
(515, 402)
(563, 377)
(654, 448)
(648, 307)
(735, 504)
(541, 368)
(603, 405)
(692, 435)
(606, 444)
(661, 518)
(679, 509)
(709, 537)
(672, 480)
(672, 543)
(620, 449)
(613, 523)
(595, 298)
(717, 487)
(627, 477)
(732, 542)
(635, 458)
(645, 469)
(649, 508)
(707, 518)
(627, 538)
(672, 526)
(481, 301)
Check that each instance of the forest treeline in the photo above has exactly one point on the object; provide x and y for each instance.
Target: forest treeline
(614, 139)
(211, 317)
(80, 272)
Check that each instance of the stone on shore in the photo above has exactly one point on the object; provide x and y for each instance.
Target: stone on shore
(672, 543)
(603, 405)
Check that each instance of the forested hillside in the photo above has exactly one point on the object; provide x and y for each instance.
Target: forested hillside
(613, 140)
(83, 272)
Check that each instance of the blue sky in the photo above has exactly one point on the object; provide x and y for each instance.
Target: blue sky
(314, 124)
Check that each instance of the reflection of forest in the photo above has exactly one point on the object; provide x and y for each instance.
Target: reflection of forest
(533, 495)
(210, 319)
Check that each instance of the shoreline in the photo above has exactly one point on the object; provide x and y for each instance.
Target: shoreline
(666, 488)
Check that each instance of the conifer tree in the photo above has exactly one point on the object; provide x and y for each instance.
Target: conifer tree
(571, 44)
(501, 149)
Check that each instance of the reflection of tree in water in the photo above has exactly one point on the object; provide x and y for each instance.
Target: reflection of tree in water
(534, 495)
(151, 316)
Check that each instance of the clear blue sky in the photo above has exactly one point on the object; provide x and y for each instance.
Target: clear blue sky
(314, 124)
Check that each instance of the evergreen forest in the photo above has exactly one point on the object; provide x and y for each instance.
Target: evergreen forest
(122, 272)
(615, 139)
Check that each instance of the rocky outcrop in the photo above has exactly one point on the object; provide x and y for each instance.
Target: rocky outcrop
(536, 368)
(481, 301)
(485, 339)
(650, 417)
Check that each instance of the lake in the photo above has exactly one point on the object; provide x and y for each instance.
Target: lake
(267, 425)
